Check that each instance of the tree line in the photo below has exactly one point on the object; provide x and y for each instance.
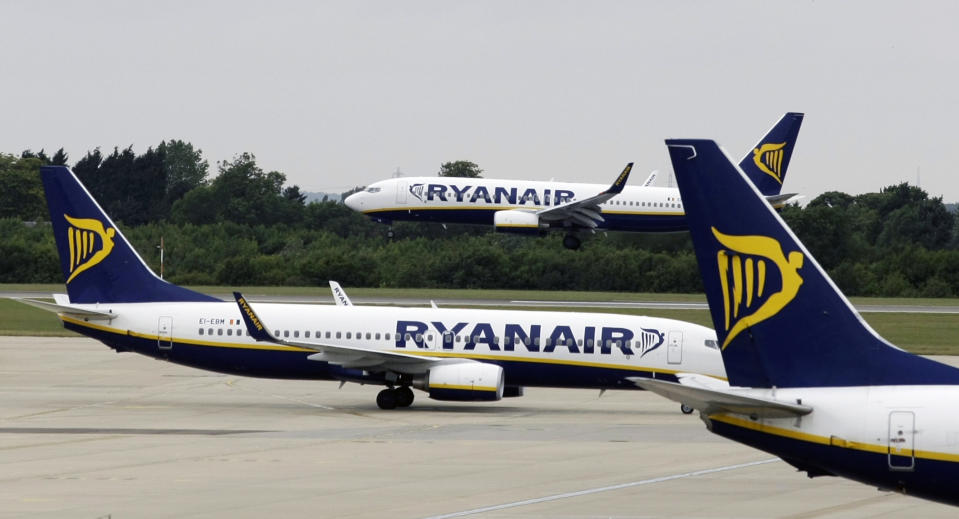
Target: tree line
(246, 226)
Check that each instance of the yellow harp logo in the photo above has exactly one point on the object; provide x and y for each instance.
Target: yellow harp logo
(743, 275)
(89, 243)
(769, 159)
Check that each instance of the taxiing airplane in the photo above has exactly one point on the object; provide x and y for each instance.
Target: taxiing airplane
(534, 207)
(809, 380)
(453, 354)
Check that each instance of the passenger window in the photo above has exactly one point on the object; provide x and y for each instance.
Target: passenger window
(526, 341)
(328, 335)
(201, 331)
(429, 337)
(349, 335)
(306, 334)
(338, 334)
(459, 338)
(219, 331)
(229, 331)
(387, 337)
(296, 333)
(419, 337)
(286, 333)
(377, 335)
(368, 335)
(209, 331)
(536, 341)
(408, 336)
(549, 341)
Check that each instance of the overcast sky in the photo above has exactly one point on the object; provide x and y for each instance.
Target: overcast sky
(337, 94)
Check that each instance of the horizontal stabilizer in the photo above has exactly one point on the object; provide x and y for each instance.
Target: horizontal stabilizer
(714, 400)
(67, 309)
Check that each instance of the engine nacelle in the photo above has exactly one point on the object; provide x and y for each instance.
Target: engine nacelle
(516, 221)
(469, 381)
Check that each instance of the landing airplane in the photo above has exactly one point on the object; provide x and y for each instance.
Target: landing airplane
(809, 380)
(533, 207)
(452, 354)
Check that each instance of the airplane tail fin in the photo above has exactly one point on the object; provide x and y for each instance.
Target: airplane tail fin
(99, 265)
(779, 318)
(766, 163)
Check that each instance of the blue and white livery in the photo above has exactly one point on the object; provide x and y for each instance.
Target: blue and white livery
(809, 380)
(533, 207)
(452, 354)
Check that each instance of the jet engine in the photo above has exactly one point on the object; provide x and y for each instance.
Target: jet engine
(468, 381)
(517, 221)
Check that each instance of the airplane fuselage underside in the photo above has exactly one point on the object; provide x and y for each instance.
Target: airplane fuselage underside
(614, 221)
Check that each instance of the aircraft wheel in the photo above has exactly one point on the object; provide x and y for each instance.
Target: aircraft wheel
(571, 242)
(386, 399)
(686, 409)
(404, 396)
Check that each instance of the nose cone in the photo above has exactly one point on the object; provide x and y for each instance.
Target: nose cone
(355, 201)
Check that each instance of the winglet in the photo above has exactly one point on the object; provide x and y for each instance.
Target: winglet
(620, 182)
(254, 326)
(339, 295)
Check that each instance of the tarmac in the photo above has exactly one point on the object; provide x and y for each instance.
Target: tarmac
(88, 433)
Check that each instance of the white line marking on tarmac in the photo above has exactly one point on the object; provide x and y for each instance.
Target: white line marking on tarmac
(597, 490)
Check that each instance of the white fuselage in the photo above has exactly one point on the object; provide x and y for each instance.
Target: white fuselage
(475, 200)
(895, 437)
(536, 348)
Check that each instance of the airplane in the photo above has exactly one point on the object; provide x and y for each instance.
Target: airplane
(452, 354)
(808, 380)
(534, 207)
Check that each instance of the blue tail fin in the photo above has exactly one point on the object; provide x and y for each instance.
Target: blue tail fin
(99, 265)
(779, 318)
(766, 163)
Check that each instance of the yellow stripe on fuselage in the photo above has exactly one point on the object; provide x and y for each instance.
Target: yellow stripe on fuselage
(824, 440)
(462, 388)
(423, 353)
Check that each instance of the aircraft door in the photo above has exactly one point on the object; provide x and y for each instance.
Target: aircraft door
(902, 432)
(674, 349)
(401, 191)
(165, 333)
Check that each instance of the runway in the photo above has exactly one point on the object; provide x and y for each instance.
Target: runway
(85, 432)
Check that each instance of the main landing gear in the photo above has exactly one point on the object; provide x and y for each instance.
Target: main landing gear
(686, 409)
(571, 242)
(391, 398)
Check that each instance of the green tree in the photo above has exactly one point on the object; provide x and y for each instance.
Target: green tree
(22, 194)
(460, 168)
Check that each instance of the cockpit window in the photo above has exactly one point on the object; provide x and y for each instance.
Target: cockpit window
(711, 343)
(372, 189)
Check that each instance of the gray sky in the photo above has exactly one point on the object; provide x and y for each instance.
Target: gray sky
(336, 94)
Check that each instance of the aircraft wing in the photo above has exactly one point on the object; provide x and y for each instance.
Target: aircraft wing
(715, 399)
(345, 356)
(66, 309)
(586, 212)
